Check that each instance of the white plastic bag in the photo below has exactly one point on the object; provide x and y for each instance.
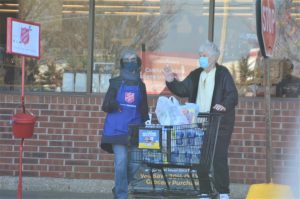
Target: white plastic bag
(168, 111)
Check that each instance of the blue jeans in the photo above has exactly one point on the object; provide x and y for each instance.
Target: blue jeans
(125, 169)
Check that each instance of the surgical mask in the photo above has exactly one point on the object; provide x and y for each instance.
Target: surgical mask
(203, 62)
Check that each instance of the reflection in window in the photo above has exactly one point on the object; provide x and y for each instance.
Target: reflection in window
(235, 32)
(289, 85)
(63, 45)
(165, 32)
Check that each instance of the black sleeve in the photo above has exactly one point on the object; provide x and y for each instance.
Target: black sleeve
(110, 103)
(181, 88)
(230, 99)
(144, 104)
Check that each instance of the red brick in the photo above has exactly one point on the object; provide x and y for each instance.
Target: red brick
(34, 167)
(7, 161)
(61, 107)
(104, 176)
(47, 113)
(62, 119)
(9, 167)
(26, 160)
(64, 156)
(87, 120)
(51, 124)
(75, 137)
(4, 154)
(29, 173)
(78, 175)
(102, 163)
(75, 150)
(86, 144)
(54, 174)
(76, 125)
(77, 113)
(50, 137)
(59, 131)
(106, 169)
(86, 169)
(77, 162)
(6, 148)
(94, 138)
(244, 124)
(51, 162)
(85, 156)
(60, 168)
(6, 173)
(60, 143)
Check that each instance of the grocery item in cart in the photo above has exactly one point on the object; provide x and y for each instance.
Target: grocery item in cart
(190, 110)
(157, 156)
(186, 144)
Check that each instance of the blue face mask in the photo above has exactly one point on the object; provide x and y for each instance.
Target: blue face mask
(203, 62)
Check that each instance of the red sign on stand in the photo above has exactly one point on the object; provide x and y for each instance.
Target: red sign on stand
(23, 38)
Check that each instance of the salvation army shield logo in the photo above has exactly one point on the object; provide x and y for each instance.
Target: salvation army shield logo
(24, 37)
(129, 97)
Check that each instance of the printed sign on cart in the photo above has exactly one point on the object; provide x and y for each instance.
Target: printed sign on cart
(149, 138)
(177, 178)
(23, 38)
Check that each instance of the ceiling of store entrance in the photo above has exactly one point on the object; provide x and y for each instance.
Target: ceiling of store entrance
(9, 7)
(138, 7)
(118, 7)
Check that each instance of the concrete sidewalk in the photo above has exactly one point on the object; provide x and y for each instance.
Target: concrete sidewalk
(9, 194)
(57, 188)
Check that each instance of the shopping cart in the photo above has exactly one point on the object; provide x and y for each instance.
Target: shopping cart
(188, 146)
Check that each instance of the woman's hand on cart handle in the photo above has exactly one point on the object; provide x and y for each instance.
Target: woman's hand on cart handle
(219, 107)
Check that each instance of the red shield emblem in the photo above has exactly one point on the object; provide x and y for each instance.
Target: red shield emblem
(129, 97)
(24, 35)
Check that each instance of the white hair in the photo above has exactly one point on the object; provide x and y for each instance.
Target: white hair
(210, 48)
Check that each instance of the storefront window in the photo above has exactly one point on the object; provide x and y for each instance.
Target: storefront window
(164, 32)
(64, 30)
(235, 33)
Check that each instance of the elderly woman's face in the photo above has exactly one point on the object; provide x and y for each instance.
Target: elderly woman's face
(206, 60)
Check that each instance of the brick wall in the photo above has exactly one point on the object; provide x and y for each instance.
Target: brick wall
(66, 139)
(248, 144)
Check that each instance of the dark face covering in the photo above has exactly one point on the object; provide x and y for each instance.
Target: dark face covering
(130, 71)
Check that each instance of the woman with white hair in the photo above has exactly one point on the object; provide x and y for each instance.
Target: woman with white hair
(212, 87)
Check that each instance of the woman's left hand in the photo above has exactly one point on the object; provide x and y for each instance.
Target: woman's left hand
(219, 107)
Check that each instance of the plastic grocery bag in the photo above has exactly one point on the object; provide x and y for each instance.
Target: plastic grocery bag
(168, 111)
